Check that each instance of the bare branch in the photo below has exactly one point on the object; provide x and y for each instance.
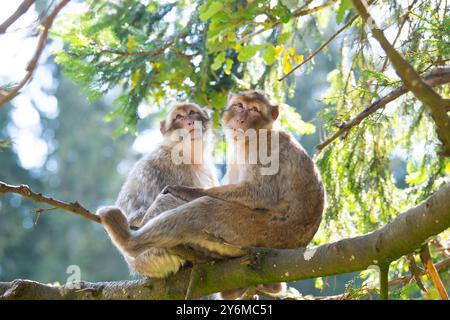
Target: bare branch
(435, 77)
(296, 14)
(21, 10)
(7, 96)
(415, 271)
(25, 191)
(441, 265)
(424, 92)
(326, 43)
(401, 236)
(303, 12)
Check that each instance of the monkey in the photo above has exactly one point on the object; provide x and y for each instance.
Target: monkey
(155, 171)
(281, 210)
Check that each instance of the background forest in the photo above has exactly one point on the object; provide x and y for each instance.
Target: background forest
(111, 70)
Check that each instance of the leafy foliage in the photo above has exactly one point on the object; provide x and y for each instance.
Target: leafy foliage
(150, 53)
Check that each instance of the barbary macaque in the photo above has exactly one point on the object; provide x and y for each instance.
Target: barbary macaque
(161, 168)
(261, 207)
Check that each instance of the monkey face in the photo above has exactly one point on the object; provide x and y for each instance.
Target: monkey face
(249, 110)
(186, 116)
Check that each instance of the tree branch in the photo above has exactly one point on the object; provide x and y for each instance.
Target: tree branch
(151, 53)
(424, 92)
(25, 191)
(425, 257)
(401, 236)
(21, 10)
(441, 265)
(296, 14)
(10, 94)
(433, 78)
(326, 43)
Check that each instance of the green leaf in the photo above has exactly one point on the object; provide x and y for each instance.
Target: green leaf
(228, 65)
(270, 54)
(207, 11)
(344, 5)
(218, 61)
(283, 12)
(247, 52)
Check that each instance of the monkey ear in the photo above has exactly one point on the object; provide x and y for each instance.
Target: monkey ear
(275, 112)
(162, 126)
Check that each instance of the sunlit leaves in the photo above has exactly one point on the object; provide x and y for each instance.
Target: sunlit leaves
(209, 9)
(218, 61)
(344, 5)
(247, 52)
(292, 120)
(290, 60)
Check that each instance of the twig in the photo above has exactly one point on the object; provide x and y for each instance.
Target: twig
(151, 53)
(33, 62)
(312, 55)
(432, 271)
(412, 80)
(402, 24)
(415, 271)
(433, 78)
(296, 14)
(393, 283)
(21, 10)
(25, 191)
(407, 279)
(192, 278)
(39, 211)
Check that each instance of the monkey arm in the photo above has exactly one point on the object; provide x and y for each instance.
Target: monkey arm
(251, 195)
(208, 223)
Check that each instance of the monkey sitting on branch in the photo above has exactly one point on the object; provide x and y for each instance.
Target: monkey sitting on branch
(183, 157)
(274, 204)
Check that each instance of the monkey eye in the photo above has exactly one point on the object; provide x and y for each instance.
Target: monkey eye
(178, 117)
(255, 109)
(192, 112)
(239, 105)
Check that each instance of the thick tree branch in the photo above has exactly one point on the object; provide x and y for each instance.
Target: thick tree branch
(21, 10)
(25, 191)
(433, 78)
(399, 237)
(424, 92)
(10, 94)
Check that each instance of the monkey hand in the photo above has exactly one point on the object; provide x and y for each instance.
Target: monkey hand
(185, 193)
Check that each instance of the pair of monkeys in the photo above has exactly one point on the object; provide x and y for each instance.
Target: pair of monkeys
(181, 214)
